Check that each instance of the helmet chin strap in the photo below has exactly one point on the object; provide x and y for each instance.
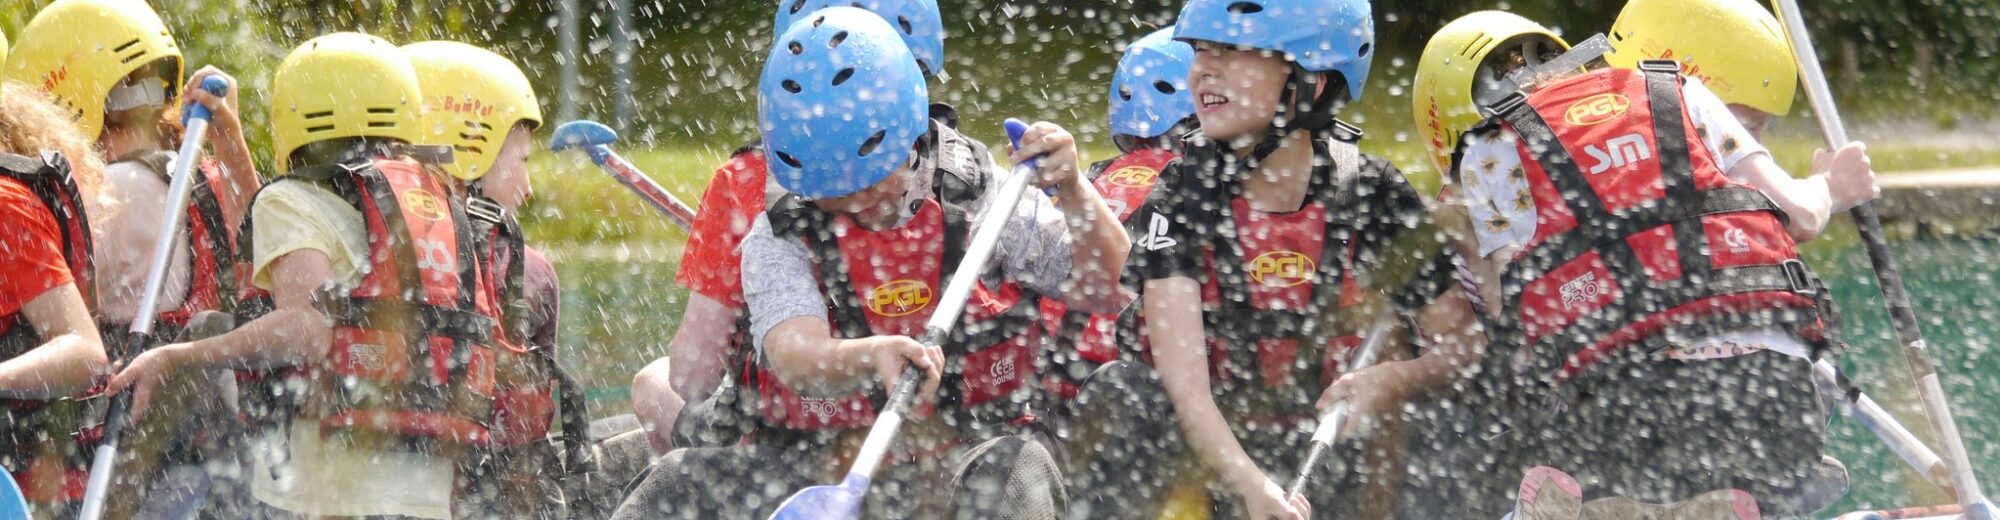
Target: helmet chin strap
(1304, 111)
(128, 95)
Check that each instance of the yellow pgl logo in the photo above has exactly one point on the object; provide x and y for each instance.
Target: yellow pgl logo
(1134, 176)
(899, 298)
(1282, 268)
(425, 205)
(1597, 109)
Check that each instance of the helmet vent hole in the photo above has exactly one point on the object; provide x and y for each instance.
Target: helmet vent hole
(1164, 87)
(868, 147)
(317, 115)
(1124, 93)
(788, 159)
(1363, 51)
(796, 6)
(904, 22)
(856, 5)
(381, 124)
(792, 86)
(1246, 8)
(318, 129)
(473, 136)
(127, 45)
(837, 39)
(820, 20)
(796, 48)
(843, 76)
(467, 149)
(381, 110)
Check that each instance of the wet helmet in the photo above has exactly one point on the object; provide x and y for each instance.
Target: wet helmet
(472, 99)
(917, 21)
(1317, 35)
(841, 103)
(1149, 93)
(1736, 47)
(80, 50)
(317, 94)
(1459, 67)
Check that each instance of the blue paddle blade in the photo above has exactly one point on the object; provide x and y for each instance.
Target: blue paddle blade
(836, 502)
(581, 134)
(12, 504)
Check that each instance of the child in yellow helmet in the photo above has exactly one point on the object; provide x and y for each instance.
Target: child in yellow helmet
(116, 68)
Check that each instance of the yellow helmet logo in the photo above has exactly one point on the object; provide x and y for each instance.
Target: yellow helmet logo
(1282, 268)
(1597, 109)
(425, 205)
(899, 298)
(469, 105)
(1134, 176)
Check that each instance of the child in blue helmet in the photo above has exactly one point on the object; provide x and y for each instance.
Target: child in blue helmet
(711, 340)
(1275, 248)
(835, 274)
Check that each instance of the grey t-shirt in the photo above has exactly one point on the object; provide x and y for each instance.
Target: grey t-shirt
(1034, 250)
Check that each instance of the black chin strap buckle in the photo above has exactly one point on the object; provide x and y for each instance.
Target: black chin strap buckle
(1347, 132)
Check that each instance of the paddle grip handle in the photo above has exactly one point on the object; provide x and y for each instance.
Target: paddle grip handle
(216, 86)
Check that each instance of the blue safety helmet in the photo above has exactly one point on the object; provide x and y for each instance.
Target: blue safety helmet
(1149, 93)
(1317, 35)
(841, 103)
(917, 21)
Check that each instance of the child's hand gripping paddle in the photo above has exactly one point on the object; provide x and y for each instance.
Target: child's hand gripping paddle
(1331, 421)
(1930, 391)
(843, 500)
(595, 139)
(195, 119)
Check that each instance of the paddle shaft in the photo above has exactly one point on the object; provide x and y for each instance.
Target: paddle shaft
(1915, 351)
(1331, 422)
(1877, 420)
(117, 417)
(952, 304)
(640, 184)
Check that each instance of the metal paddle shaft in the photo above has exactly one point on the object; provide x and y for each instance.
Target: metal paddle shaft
(1885, 427)
(116, 418)
(1331, 421)
(1915, 351)
(844, 500)
(595, 140)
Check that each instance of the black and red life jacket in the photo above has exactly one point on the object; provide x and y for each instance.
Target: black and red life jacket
(525, 375)
(1281, 292)
(41, 429)
(48, 177)
(212, 266)
(1085, 341)
(1641, 240)
(886, 282)
(413, 348)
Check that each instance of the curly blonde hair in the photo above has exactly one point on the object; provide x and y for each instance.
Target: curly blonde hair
(31, 123)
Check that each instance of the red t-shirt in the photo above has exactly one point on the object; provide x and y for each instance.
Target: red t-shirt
(712, 265)
(31, 257)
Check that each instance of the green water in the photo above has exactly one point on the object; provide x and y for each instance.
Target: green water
(618, 315)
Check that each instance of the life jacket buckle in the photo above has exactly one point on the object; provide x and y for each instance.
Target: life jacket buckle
(484, 209)
(1507, 105)
(1801, 279)
(1660, 66)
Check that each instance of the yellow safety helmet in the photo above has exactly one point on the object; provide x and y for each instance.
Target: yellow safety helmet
(343, 85)
(1736, 47)
(1456, 57)
(472, 98)
(77, 50)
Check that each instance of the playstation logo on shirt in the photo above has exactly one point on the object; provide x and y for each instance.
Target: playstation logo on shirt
(1156, 235)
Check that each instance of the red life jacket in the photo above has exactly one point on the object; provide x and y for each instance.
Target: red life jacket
(525, 374)
(33, 429)
(1086, 341)
(1641, 239)
(213, 268)
(1272, 279)
(885, 283)
(413, 345)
